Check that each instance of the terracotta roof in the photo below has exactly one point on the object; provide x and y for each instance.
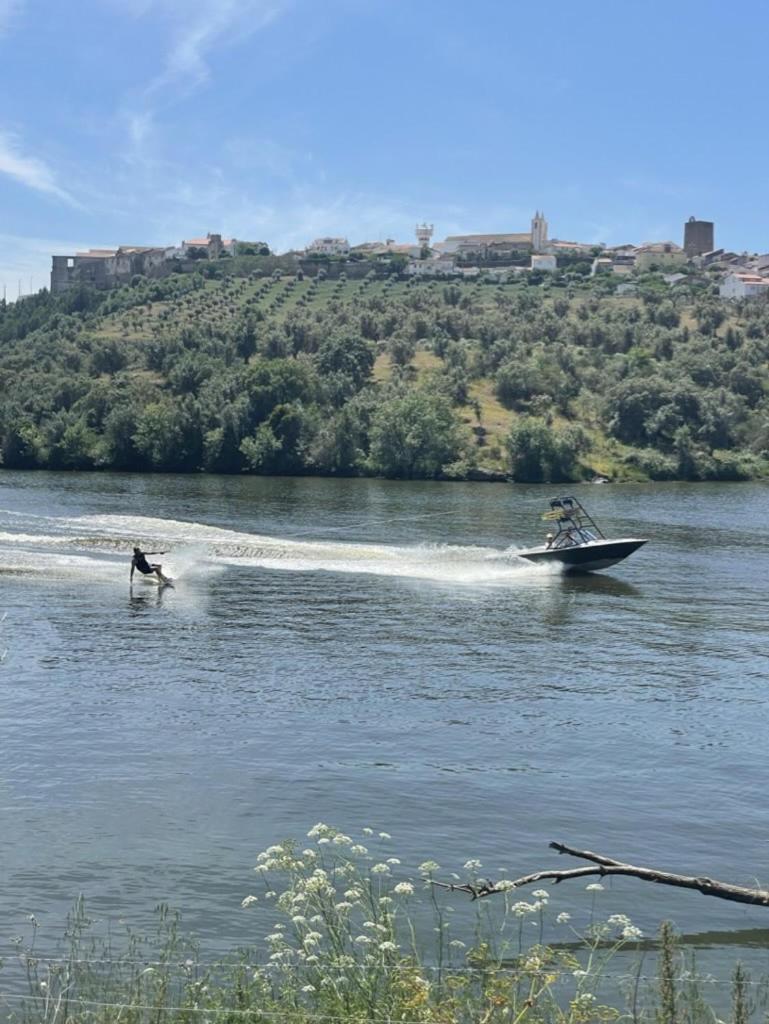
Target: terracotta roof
(198, 242)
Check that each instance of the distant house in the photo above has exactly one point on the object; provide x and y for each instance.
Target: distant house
(544, 261)
(660, 255)
(743, 286)
(212, 246)
(328, 246)
(495, 245)
(442, 267)
(602, 265)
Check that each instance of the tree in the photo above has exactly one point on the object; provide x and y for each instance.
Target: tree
(347, 362)
(541, 454)
(415, 436)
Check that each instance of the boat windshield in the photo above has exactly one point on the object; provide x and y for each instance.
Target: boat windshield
(571, 525)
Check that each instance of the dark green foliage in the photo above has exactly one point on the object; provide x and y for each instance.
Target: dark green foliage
(414, 435)
(243, 365)
(541, 454)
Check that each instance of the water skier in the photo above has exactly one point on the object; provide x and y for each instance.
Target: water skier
(139, 561)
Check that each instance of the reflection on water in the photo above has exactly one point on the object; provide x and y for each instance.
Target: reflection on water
(370, 653)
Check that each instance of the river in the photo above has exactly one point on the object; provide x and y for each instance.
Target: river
(372, 653)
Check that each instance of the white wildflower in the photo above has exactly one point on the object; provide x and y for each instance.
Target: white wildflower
(428, 866)
(388, 947)
(404, 889)
(299, 919)
(522, 908)
(272, 850)
(579, 973)
(248, 901)
(621, 920)
(472, 865)
(352, 894)
(369, 924)
(323, 840)
(309, 854)
(385, 901)
(318, 830)
(563, 917)
(504, 885)
(540, 894)
(270, 894)
(342, 840)
(363, 940)
(385, 835)
(344, 905)
(368, 831)
(274, 937)
(358, 850)
(316, 919)
(308, 988)
(380, 869)
(457, 944)
(584, 999)
(594, 887)
(631, 932)
(311, 959)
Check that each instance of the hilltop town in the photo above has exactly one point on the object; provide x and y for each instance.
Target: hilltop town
(496, 257)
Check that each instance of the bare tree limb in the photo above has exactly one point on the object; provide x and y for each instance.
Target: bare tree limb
(608, 866)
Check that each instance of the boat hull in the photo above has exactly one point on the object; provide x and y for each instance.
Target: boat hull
(592, 557)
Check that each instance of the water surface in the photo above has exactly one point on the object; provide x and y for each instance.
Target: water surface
(374, 653)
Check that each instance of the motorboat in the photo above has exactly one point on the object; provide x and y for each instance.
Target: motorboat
(575, 541)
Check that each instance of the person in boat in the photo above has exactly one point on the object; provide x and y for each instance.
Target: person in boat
(549, 540)
(139, 561)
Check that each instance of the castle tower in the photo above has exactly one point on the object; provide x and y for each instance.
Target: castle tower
(698, 237)
(424, 235)
(538, 232)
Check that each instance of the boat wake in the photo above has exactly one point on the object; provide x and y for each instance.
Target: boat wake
(101, 545)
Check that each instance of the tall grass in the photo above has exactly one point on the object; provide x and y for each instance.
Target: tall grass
(345, 937)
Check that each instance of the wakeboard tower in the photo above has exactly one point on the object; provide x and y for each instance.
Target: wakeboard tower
(576, 542)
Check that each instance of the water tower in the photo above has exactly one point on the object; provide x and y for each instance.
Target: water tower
(424, 235)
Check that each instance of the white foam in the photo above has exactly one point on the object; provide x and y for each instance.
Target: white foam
(198, 549)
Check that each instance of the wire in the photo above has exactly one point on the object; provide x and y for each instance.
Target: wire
(422, 968)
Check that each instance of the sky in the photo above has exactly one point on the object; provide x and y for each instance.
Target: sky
(143, 122)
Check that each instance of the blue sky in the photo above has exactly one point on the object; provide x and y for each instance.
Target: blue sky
(148, 121)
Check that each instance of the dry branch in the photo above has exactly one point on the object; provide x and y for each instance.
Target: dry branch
(607, 866)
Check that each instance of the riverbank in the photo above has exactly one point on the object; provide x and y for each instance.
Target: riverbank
(346, 936)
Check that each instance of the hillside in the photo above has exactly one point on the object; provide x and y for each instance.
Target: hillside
(286, 374)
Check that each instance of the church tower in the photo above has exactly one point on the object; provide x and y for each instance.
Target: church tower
(538, 232)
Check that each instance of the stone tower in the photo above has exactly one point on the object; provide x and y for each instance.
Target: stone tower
(538, 232)
(698, 237)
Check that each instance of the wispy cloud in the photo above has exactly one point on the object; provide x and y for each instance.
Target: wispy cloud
(195, 30)
(29, 170)
(205, 25)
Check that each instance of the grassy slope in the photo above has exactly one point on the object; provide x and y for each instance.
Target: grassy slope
(222, 303)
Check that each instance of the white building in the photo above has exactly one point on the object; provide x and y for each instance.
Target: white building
(431, 268)
(544, 261)
(329, 247)
(743, 286)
